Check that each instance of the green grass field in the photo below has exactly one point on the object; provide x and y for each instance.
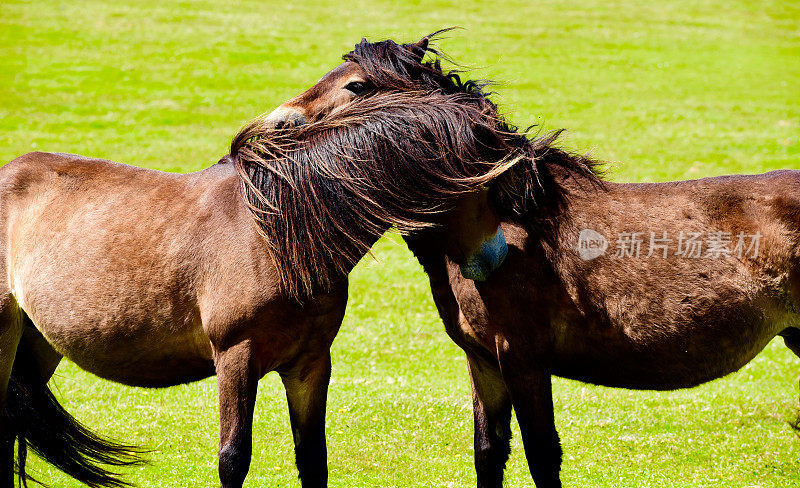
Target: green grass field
(664, 90)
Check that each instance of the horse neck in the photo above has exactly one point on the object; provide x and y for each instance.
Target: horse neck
(426, 245)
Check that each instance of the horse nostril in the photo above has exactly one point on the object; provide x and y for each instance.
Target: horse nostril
(289, 121)
(296, 119)
(285, 118)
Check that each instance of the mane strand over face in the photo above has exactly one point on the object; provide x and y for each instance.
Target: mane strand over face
(322, 193)
(532, 191)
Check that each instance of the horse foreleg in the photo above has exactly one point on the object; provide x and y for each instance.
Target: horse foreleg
(529, 385)
(237, 379)
(791, 337)
(306, 392)
(491, 407)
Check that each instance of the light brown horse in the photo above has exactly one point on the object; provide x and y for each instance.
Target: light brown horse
(645, 286)
(154, 279)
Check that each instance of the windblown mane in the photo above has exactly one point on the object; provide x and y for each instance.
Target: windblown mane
(408, 67)
(323, 192)
(530, 192)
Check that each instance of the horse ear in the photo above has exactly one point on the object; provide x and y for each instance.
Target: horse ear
(419, 48)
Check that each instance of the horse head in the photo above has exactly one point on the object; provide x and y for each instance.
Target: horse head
(474, 238)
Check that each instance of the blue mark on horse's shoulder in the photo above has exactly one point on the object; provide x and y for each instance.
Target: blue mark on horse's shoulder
(491, 255)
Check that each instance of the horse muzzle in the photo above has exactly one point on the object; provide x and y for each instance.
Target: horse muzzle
(490, 256)
(285, 117)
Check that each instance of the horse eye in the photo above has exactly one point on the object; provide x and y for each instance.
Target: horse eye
(356, 87)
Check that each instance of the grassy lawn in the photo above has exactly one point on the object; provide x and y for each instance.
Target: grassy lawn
(665, 90)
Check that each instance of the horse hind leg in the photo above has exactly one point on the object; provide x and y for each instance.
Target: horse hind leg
(10, 335)
(42, 423)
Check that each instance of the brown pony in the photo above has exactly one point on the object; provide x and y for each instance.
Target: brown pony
(154, 279)
(646, 286)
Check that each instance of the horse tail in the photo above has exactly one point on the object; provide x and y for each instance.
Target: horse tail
(42, 424)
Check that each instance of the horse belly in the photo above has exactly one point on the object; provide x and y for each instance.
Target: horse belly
(679, 359)
(144, 355)
(148, 338)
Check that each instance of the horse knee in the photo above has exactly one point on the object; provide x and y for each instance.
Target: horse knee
(311, 460)
(234, 462)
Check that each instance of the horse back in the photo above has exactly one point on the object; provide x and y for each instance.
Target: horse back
(636, 319)
(651, 300)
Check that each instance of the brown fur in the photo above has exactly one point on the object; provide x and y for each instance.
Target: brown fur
(654, 323)
(154, 279)
(647, 323)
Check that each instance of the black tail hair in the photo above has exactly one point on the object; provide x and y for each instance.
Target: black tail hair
(38, 421)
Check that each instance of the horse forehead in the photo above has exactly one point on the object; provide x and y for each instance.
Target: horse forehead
(347, 69)
(330, 81)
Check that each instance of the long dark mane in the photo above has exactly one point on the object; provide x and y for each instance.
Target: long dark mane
(322, 193)
(531, 192)
(409, 67)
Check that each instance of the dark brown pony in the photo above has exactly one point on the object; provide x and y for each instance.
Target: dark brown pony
(154, 279)
(645, 286)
